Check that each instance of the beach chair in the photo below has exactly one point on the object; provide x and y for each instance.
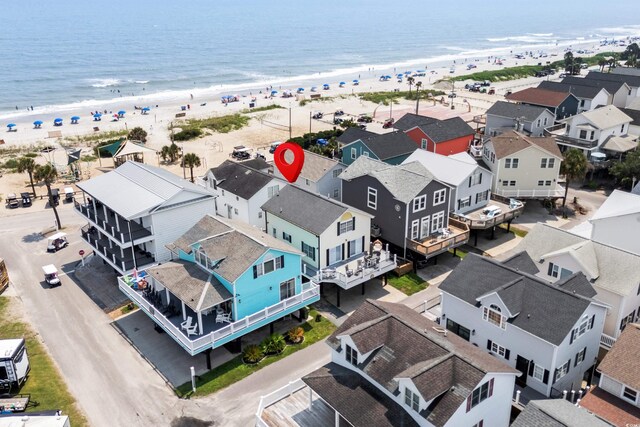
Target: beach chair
(223, 317)
(187, 323)
(96, 129)
(192, 330)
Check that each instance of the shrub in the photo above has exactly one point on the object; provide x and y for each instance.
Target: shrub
(295, 335)
(10, 164)
(252, 354)
(31, 155)
(187, 134)
(273, 344)
(138, 134)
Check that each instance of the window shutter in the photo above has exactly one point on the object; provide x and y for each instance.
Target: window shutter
(491, 387)
(573, 334)
(555, 375)
(591, 322)
(575, 361)
(545, 378)
(282, 261)
(470, 181)
(343, 257)
(348, 248)
(531, 366)
(469, 403)
(489, 345)
(550, 269)
(327, 256)
(363, 243)
(480, 180)
(568, 365)
(338, 228)
(506, 353)
(255, 271)
(354, 222)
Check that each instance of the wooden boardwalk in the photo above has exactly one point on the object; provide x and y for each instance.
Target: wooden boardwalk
(294, 411)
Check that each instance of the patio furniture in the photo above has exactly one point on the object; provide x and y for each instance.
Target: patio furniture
(187, 323)
(348, 271)
(223, 317)
(191, 330)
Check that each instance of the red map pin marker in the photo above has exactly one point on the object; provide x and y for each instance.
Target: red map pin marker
(292, 170)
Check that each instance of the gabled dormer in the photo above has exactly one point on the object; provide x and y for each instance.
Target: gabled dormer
(562, 263)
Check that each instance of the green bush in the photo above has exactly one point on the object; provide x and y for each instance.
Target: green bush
(10, 164)
(252, 354)
(273, 344)
(187, 134)
(31, 155)
(224, 124)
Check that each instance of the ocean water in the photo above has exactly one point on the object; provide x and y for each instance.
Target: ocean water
(65, 53)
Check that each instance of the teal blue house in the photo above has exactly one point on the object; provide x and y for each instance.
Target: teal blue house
(392, 148)
(226, 279)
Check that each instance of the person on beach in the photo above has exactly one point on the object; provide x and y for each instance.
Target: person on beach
(191, 96)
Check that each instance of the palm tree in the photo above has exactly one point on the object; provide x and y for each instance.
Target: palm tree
(601, 63)
(418, 86)
(28, 165)
(191, 160)
(573, 167)
(410, 81)
(631, 62)
(612, 62)
(48, 174)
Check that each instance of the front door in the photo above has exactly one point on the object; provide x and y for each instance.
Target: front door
(229, 210)
(522, 365)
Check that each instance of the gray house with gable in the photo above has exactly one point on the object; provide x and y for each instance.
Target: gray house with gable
(529, 119)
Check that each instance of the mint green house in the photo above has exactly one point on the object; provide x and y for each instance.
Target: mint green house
(392, 148)
(226, 279)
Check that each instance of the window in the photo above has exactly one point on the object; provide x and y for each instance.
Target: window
(554, 270)
(275, 233)
(512, 183)
(545, 121)
(580, 356)
(411, 399)
(505, 183)
(365, 153)
(415, 229)
(466, 202)
(583, 134)
(551, 163)
(351, 355)
(424, 227)
(585, 325)
(511, 163)
(287, 289)
(538, 373)
(493, 157)
(355, 247)
(630, 394)
(592, 135)
(346, 226)
(286, 237)
(372, 198)
(235, 211)
(309, 251)
(493, 315)
(273, 191)
(439, 197)
(260, 214)
(562, 371)
(627, 319)
(307, 182)
(540, 183)
(582, 102)
(482, 196)
(334, 255)
(538, 123)
(543, 163)
(423, 144)
(622, 128)
(223, 192)
(336, 193)
(337, 172)
(354, 153)
(475, 179)
(268, 266)
(437, 221)
(547, 183)
(420, 203)
(481, 393)
(498, 349)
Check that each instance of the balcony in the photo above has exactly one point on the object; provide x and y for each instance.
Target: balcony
(607, 341)
(453, 236)
(111, 224)
(211, 333)
(550, 193)
(476, 220)
(355, 270)
(576, 142)
(113, 254)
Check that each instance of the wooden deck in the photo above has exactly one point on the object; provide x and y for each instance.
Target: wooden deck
(436, 244)
(294, 411)
(477, 221)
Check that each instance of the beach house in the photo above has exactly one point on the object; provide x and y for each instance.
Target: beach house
(392, 367)
(617, 397)
(241, 191)
(226, 279)
(391, 148)
(556, 413)
(334, 238)
(409, 205)
(589, 97)
(135, 210)
(523, 167)
(527, 119)
(548, 332)
(446, 137)
(621, 93)
(561, 104)
(319, 174)
(612, 272)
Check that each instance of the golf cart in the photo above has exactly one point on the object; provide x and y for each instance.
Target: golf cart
(56, 242)
(26, 199)
(241, 152)
(273, 146)
(388, 123)
(51, 275)
(318, 115)
(12, 201)
(55, 197)
(68, 194)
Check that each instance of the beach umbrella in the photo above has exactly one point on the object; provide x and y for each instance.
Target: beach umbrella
(407, 72)
(300, 89)
(274, 92)
(57, 121)
(325, 86)
(38, 123)
(95, 115)
(75, 118)
(342, 83)
(11, 125)
(148, 109)
(355, 80)
(122, 113)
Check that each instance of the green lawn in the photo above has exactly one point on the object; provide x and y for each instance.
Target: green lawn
(517, 231)
(408, 284)
(44, 384)
(459, 253)
(235, 370)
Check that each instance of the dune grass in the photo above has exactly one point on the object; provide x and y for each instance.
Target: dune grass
(263, 108)
(386, 97)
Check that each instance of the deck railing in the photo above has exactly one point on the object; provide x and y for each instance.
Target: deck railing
(110, 229)
(435, 245)
(531, 194)
(484, 223)
(607, 341)
(276, 396)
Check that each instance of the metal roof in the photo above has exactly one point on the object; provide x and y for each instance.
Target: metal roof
(444, 168)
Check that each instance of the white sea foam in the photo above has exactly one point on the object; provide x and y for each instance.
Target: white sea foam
(141, 82)
(99, 83)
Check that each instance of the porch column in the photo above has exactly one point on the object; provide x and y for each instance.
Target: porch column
(508, 226)
(310, 397)
(117, 223)
(338, 295)
(200, 322)
(184, 313)
(362, 286)
(167, 293)
(95, 210)
(104, 210)
(493, 232)
(337, 419)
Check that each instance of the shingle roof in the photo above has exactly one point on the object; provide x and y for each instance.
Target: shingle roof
(477, 276)
(511, 142)
(556, 413)
(631, 80)
(634, 114)
(309, 211)
(620, 143)
(191, 284)
(404, 181)
(446, 367)
(410, 120)
(315, 165)
(522, 262)
(606, 117)
(206, 227)
(619, 203)
(258, 164)
(240, 179)
(514, 111)
(610, 408)
(621, 362)
(583, 252)
(610, 86)
(353, 134)
(357, 400)
(617, 269)
(536, 96)
(445, 168)
(389, 145)
(446, 130)
(580, 91)
(135, 189)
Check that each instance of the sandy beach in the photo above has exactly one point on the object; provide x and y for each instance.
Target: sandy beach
(266, 126)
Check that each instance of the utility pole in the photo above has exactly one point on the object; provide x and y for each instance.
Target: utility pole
(289, 121)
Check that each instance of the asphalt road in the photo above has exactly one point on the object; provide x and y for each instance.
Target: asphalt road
(112, 383)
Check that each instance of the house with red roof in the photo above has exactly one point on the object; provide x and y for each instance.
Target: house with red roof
(446, 137)
(561, 104)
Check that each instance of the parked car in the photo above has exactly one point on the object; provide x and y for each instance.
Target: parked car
(317, 115)
(562, 75)
(471, 66)
(12, 201)
(492, 91)
(339, 113)
(68, 194)
(337, 121)
(241, 152)
(55, 196)
(452, 95)
(273, 146)
(388, 123)
(363, 118)
(362, 126)
(485, 83)
(26, 199)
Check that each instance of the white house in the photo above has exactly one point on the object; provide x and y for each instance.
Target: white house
(471, 183)
(334, 237)
(241, 191)
(523, 166)
(549, 332)
(615, 223)
(390, 366)
(319, 175)
(613, 272)
(137, 209)
(529, 119)
(617, 397)
(589, 97)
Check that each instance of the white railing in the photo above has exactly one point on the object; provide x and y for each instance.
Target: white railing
(607, 341)
(557, 192)
(209, 340)
(386, 263)
(275, 396)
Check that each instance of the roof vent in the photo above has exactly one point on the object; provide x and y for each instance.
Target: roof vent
(528, 316)
(280, 210)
